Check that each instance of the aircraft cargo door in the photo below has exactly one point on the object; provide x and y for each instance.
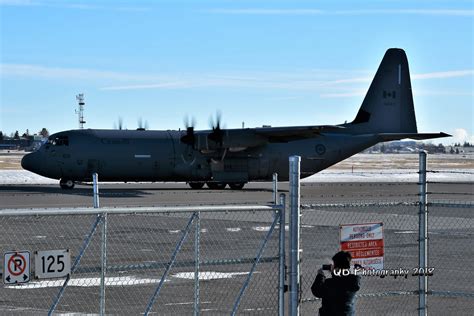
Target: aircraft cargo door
(258, 168)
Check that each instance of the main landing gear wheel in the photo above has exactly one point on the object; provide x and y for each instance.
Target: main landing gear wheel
(216, 185)
(237, 185)
(196, 185)
(66, 184)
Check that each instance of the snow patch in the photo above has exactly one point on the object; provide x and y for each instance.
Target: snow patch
(23, 177)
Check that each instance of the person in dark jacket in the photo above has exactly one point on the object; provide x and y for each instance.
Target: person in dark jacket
(338, 291)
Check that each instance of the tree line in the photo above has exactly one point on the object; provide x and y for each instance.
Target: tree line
(16, 135)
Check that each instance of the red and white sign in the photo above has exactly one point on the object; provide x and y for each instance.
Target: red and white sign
(16, 267)
(365, 243)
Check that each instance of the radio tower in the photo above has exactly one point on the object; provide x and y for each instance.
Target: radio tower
(80, 112)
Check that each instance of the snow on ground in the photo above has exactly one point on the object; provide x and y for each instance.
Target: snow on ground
(23, 177)
(391, 175)
(15, 177)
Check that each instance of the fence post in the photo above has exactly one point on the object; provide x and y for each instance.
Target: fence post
(196, 263)
(275, 188)
(103, 269)
(95, 188)
(103, 252)
(281, 256)
(294, 177)
(422, 238)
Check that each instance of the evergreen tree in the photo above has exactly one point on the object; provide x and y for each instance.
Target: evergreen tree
(44, 132)
(16, 136)
(1, 135)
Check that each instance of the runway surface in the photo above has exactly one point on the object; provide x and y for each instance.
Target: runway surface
(139, 247)
(159, 194)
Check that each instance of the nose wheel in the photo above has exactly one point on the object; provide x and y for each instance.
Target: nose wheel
(66, 184)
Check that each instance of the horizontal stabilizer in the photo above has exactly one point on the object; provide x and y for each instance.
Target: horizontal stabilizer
(418, 136)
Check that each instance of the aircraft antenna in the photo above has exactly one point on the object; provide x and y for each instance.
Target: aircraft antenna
(80, 111)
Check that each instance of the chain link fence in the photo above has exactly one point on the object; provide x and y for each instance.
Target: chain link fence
(150, 261)
(450, 253)
(320, 241)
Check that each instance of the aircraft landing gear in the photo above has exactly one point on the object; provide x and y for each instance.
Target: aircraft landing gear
(66, 184)
(196, 185)
(216, 185)
(237, 185)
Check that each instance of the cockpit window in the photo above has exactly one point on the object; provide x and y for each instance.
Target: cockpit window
(58, 141)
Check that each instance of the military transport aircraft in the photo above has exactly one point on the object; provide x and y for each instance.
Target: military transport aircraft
(220, 157)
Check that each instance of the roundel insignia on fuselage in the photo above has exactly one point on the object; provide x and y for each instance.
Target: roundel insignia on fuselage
(320, 149)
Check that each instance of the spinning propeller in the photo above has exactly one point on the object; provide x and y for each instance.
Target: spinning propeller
(189, 138)
(217, 134)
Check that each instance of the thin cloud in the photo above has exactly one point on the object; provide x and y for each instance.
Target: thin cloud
(256, 11)
(17, 2)
(344, 94)
(66, 5)
(461, 135)
(337, 87)
(444, 74)
(35, 71)
(430, 75)
(164, 85)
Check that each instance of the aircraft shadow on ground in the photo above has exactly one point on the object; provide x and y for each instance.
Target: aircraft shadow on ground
(84, 190)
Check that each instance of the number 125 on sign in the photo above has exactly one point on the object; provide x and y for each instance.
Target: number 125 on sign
(52, 263)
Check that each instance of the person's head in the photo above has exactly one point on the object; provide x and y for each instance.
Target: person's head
(342, 260)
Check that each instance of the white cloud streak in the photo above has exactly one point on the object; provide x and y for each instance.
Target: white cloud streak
(432, 12)
(35, 71)
(70, 5)
(444, 74)
(328, 82)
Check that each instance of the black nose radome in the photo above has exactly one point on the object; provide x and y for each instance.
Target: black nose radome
(27, 162)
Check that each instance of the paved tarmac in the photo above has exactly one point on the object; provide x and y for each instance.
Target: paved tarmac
(159, 194)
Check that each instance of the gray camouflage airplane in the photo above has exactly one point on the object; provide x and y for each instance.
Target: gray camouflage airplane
(220, 157)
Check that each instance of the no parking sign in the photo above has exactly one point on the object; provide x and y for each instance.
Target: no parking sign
(16, 267)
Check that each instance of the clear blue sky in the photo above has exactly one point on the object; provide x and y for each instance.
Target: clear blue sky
(277, 63)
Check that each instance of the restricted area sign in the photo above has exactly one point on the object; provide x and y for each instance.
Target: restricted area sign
(16, 267)
(52, 263)
(365, 243)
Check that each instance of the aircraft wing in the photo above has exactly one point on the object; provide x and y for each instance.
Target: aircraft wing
(286, 134)
(242, 139)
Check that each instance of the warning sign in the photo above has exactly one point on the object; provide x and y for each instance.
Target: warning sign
(16, 267)
(365, 243)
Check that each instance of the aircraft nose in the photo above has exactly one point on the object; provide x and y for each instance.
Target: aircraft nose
(28, 162)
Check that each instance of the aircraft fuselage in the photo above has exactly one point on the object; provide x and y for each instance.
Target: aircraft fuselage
(123, 155)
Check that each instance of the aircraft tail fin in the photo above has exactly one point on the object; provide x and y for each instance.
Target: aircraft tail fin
(388, 104)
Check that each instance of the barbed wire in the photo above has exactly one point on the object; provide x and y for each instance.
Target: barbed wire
(450, 171)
